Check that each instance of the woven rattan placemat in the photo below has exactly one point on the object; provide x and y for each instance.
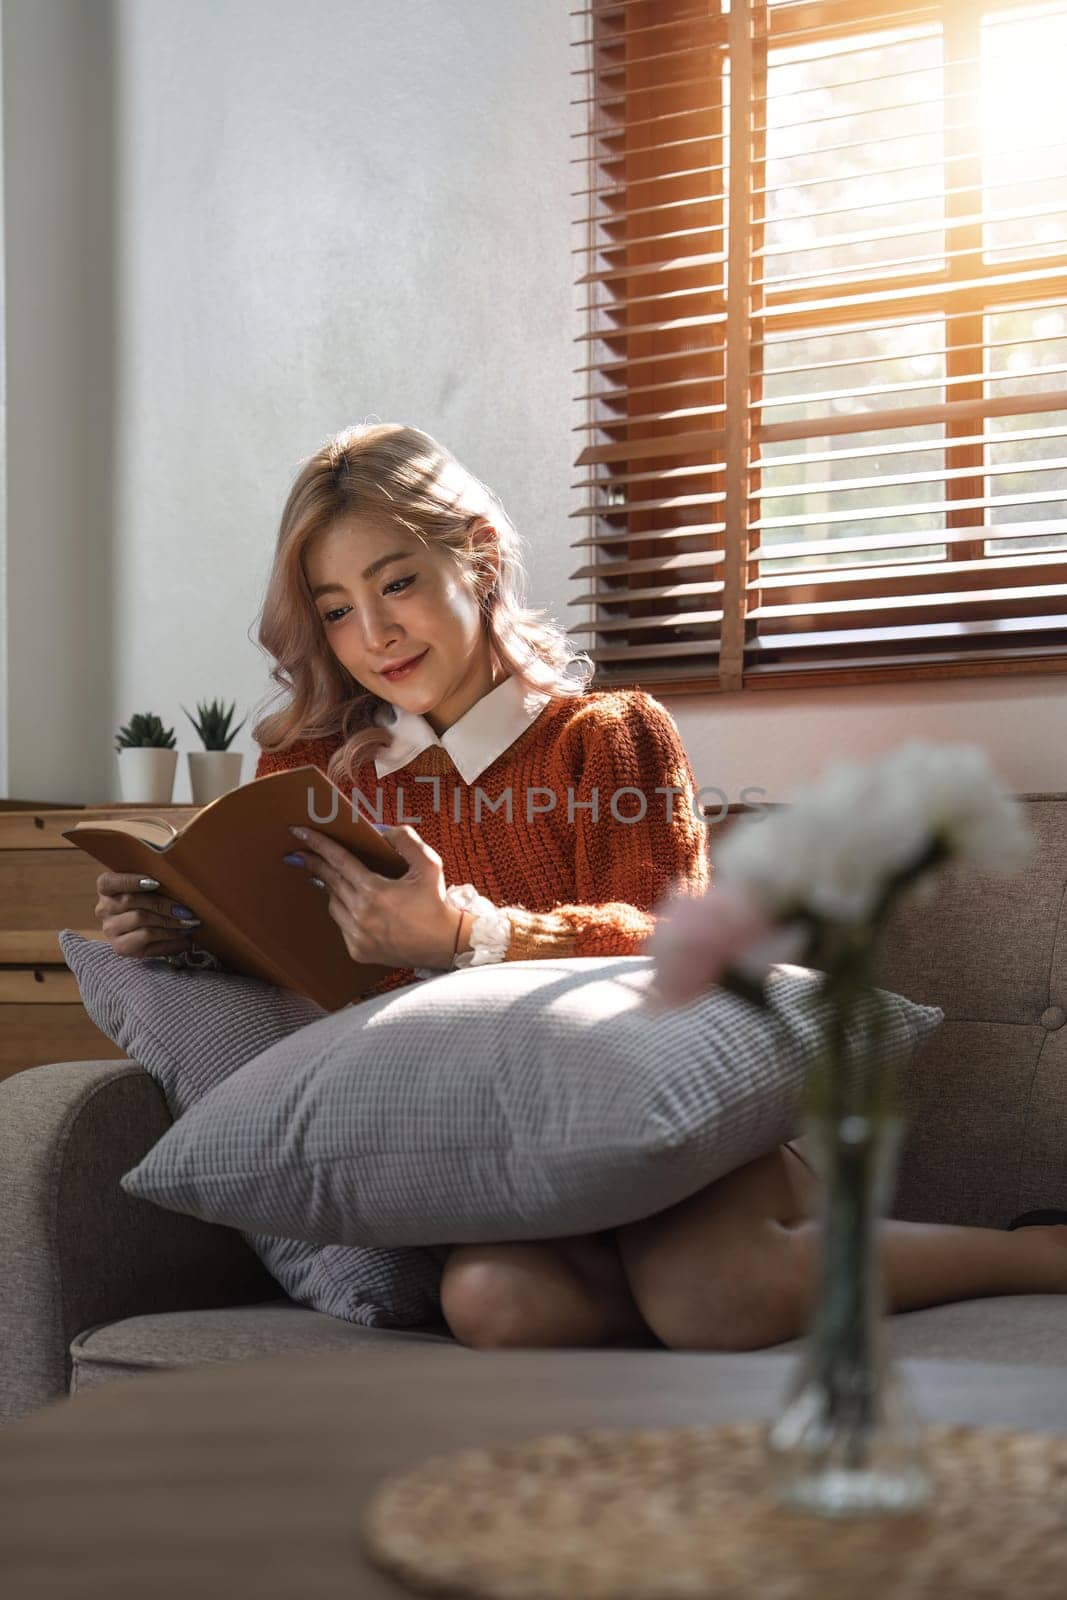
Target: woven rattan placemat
(682, 1513)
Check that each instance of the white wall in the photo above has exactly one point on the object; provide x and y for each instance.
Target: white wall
(56, 664)
(233, 226)
(323, 212)
(773, 742)
(5, 675)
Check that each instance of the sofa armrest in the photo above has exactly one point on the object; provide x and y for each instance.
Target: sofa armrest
(75, 1249)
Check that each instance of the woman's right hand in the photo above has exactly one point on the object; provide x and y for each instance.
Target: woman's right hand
(139, 922)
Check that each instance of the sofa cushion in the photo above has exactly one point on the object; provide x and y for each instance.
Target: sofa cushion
(1029, 1329)
(190, 1030)
(521, 1100)
(1023, 1328)
(123, 1349)
(987, 1114)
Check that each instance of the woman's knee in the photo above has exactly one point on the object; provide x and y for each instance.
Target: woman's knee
(480, 1298)
(726, 1268)
(753, 1313)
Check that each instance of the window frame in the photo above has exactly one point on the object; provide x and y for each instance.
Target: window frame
(747, 33)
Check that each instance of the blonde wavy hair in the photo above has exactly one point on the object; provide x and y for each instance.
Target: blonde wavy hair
(402, 477)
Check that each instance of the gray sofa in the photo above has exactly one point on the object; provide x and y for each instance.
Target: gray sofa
(96, 1285)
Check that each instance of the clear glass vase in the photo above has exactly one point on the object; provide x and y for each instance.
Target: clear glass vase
(847, 1441)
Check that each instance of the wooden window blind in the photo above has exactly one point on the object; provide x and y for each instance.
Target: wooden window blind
(823, 356)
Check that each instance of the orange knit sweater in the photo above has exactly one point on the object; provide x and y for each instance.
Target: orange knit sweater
(583, 885)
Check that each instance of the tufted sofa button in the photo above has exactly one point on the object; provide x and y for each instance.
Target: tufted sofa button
(1054, 1017)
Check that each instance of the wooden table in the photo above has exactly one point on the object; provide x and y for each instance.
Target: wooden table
(245, 1479)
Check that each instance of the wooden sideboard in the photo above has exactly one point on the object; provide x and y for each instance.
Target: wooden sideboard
(47, 884)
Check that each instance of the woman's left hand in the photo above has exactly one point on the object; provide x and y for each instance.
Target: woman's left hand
(396, 922)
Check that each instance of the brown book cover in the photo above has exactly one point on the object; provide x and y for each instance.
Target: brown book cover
(258, 915)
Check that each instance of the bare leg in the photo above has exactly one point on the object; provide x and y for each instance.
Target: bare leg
(929, 1264)
(733, 1266)
(560, 1293)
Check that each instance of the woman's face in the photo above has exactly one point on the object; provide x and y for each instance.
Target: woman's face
(378, 612)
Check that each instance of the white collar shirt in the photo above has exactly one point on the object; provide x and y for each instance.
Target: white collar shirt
(474, 741)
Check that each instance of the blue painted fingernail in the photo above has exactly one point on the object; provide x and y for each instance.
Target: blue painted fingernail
(295, 860)
(182, 911)
(381, 826)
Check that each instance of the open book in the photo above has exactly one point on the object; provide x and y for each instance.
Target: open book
(259, 916)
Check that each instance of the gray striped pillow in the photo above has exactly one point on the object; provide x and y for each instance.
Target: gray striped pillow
(520, 1100)
(190, 1031)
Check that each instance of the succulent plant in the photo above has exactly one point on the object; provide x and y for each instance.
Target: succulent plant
(144, 730)
(212, 724)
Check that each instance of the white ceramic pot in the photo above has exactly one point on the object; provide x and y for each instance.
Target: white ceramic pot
(213, 773)
(146, 775)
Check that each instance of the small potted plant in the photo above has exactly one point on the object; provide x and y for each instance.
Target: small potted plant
(215, 769)
(147, 760)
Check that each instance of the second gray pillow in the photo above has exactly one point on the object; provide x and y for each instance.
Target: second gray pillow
(190, 1031)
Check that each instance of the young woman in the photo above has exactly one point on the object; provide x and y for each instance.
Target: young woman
(539, 819)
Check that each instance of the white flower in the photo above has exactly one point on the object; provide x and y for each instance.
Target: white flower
(834, 848)
(964, 805)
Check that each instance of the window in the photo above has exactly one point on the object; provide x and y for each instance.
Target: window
(824, 347)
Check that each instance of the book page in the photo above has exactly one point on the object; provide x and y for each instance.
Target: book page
(153, 831)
